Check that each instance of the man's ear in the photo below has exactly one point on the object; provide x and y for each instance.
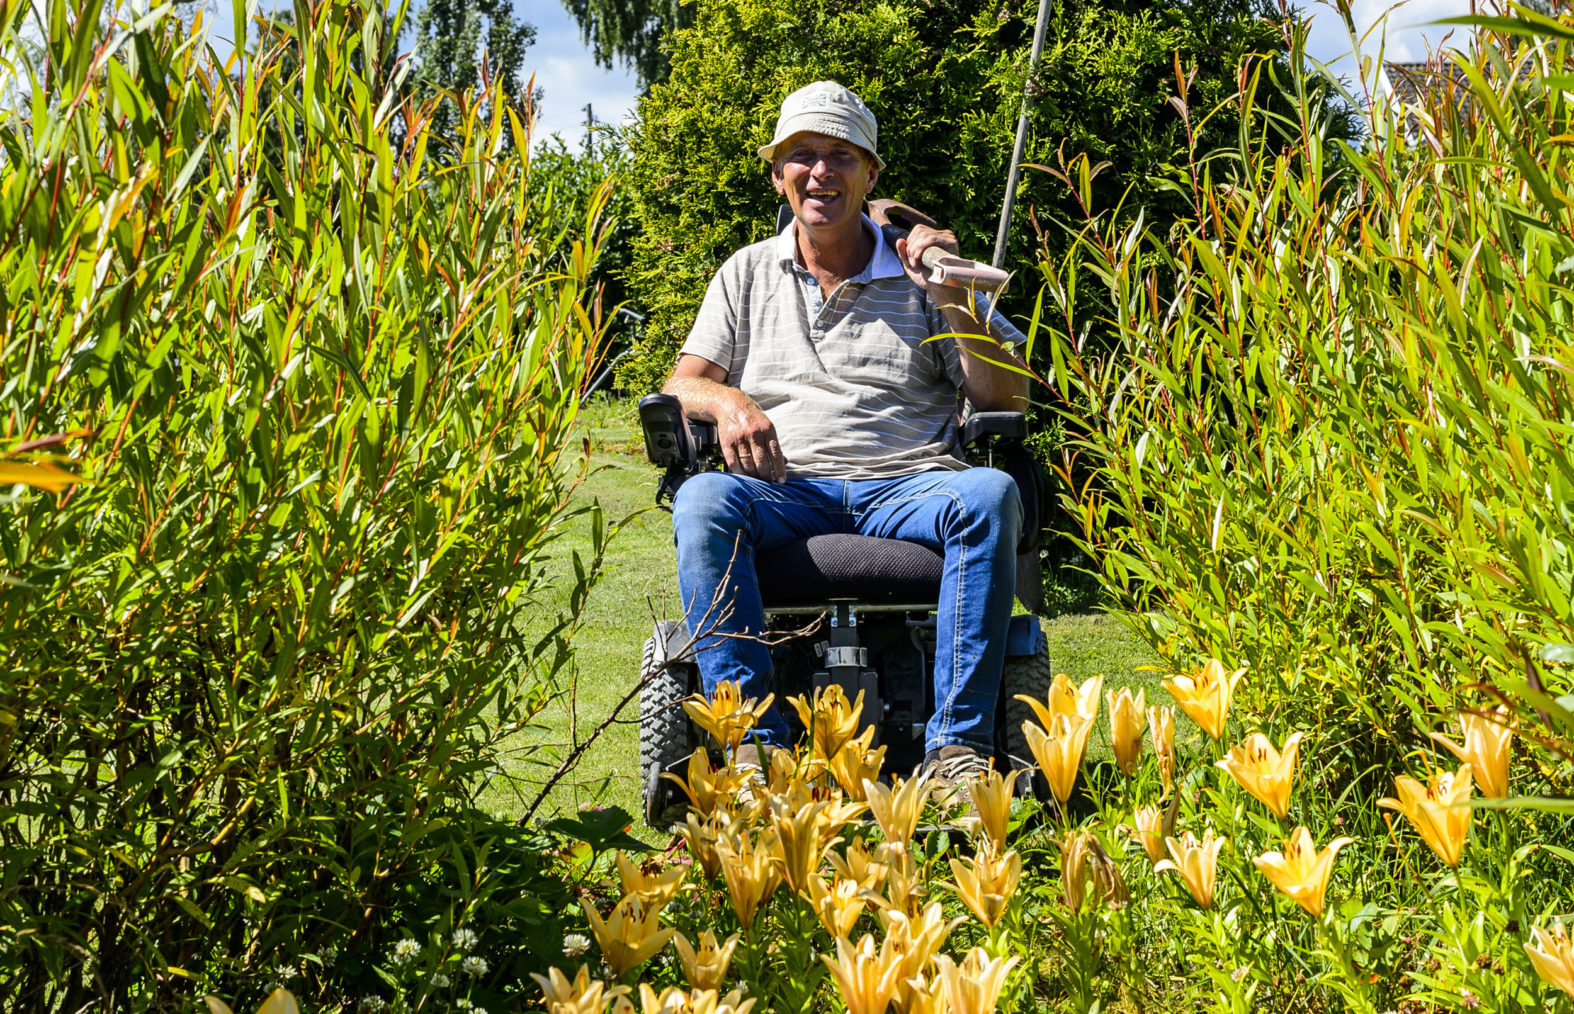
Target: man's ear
(776, 176)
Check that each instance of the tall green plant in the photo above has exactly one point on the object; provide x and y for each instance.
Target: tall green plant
(317, 391)
(1331, 439)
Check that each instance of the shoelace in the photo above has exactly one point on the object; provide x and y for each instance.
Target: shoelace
(960, 767)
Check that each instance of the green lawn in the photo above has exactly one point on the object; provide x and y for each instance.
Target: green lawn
(640, 585)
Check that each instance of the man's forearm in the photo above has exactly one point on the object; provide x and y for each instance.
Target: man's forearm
(988, 386)
(703, 399)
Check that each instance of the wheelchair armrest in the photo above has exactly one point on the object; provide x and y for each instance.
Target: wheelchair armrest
(672, 443)
(1008, 427)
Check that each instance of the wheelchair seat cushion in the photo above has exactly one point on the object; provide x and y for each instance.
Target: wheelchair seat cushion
(808, 572)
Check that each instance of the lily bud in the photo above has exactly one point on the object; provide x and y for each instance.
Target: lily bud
(1088, 875)
(1125, 728)
(1161, 726)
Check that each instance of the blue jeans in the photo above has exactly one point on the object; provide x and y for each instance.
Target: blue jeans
(721, 520)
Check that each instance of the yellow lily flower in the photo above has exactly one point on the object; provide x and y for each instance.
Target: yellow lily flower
(673, 1000)
(1263, 771)
(974, 986)
(705, 967)
(750, 874)
(1195, 863)
(582, 995)
(1205, 695)
(1088, 874)
(860, 866)
(838, 906)
(1553, 956)
(727, 716)
(897, 808)
(649, 881)
(1486, 749)
(1125, 728)
(1059, 751)
(856, 763)
(919, 995)
(991, 795)
(904, 888)
(1438, 811)
(866, 978)
(630, 935)
(1147, 823)
(911, 941)
(1161, 726)
(1075, 703)
(830, 718)
(700, 837)
(1300, 871)
(706, 786)
(796, 848)
(986, 882)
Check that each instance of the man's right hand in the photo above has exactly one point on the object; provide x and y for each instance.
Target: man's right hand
(746, 433)
(748, 440)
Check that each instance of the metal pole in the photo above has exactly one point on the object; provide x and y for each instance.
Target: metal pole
(1016, 152)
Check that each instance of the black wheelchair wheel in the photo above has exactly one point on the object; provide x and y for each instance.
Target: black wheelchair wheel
(1030, 676)
(666, 736)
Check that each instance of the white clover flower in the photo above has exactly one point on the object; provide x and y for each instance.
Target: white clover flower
(439, 980)
(405, 951)
(463, 1003)
(373, 1004)
(575, 944)
(474, 965)
(464, 939)
(477, 1010)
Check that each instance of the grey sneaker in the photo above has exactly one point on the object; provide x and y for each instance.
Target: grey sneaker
(950, 767)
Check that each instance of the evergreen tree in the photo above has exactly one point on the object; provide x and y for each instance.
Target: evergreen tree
(453, 36)
(632, 31)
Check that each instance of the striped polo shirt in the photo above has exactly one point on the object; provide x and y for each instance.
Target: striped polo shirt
(851, 380)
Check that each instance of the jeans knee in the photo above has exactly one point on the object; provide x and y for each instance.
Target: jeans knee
(993, 494)
(706, 501)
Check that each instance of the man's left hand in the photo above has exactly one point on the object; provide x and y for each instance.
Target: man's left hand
(911, 251)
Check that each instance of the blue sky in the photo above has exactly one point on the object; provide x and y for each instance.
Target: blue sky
(570, 79)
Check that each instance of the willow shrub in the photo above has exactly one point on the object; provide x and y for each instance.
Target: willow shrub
(1334, 445)
(317, 367)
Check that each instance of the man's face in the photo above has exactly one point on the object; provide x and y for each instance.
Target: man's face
(824, 179)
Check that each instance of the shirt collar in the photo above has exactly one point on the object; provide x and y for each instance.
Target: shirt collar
(883, 264)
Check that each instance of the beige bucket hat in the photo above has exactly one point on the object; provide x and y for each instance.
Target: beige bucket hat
(828, 108)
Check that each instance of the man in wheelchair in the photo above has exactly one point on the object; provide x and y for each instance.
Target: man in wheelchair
(831, 368)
